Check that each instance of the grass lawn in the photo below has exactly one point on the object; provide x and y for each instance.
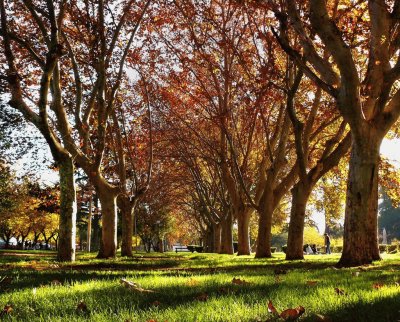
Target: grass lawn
(195, 287)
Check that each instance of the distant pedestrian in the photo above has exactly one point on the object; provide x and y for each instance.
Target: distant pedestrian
(328, 243)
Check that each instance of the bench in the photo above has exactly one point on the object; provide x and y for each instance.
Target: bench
(181, 248)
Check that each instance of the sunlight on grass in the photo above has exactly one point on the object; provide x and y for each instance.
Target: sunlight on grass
(198, 287)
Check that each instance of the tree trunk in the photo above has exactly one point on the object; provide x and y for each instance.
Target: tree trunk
(300, 195)
(96, 234)
(264, 227)
(6, 237)
(108, 201)
(227, 236)
(89, 226)
(209, 239)
(360, 240)
(67, 226)
(217, 238)
(56, 242)
(126, 208)
(243, 232)
(23, 242)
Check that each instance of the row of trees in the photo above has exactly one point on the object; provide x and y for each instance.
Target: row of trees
(230, 106)
(27, 211)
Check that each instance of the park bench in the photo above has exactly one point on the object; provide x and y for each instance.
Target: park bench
(189, 248)
(181, 249)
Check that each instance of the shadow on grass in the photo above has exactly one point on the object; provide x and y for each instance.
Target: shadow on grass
(384, 310)
(115, 298)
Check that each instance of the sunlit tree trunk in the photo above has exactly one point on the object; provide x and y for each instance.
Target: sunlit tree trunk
(360, 242)
(67, 227)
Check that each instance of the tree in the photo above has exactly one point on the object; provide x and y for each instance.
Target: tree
(365, 94)
(44, 57)
(80, 49)
(331, 148)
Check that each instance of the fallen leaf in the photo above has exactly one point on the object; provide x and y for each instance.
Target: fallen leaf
(203, 297)
(271, 308)
(192, 282)
(277, 279)
(135, 287)
(223, 290)
(6, 280)
(322, 318)
(56, 283)
(82, 307)
(377, 286)
(339, 291)
(6, 310)
(238, 281)
(292, 314)
(156, 303)
(278, 271)
(355, 273)
(312, 283)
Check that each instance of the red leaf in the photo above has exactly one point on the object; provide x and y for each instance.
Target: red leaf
(292, 314)
(238, 281)
(312, 283)
(271, 308)
(203, 297)
(7, 310)
(377, 286)
(339, 291)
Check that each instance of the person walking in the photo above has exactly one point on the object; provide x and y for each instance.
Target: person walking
(328, 243)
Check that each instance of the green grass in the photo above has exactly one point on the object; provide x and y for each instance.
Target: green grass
(179, 279)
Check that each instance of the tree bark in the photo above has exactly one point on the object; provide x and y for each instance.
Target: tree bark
(227, 236)
(126, 208)
(209, 239)
(360, 241)
(108, 201)
(217, 238)
(243, 232)
(67, 226)
(300, 195)
(264, 227)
